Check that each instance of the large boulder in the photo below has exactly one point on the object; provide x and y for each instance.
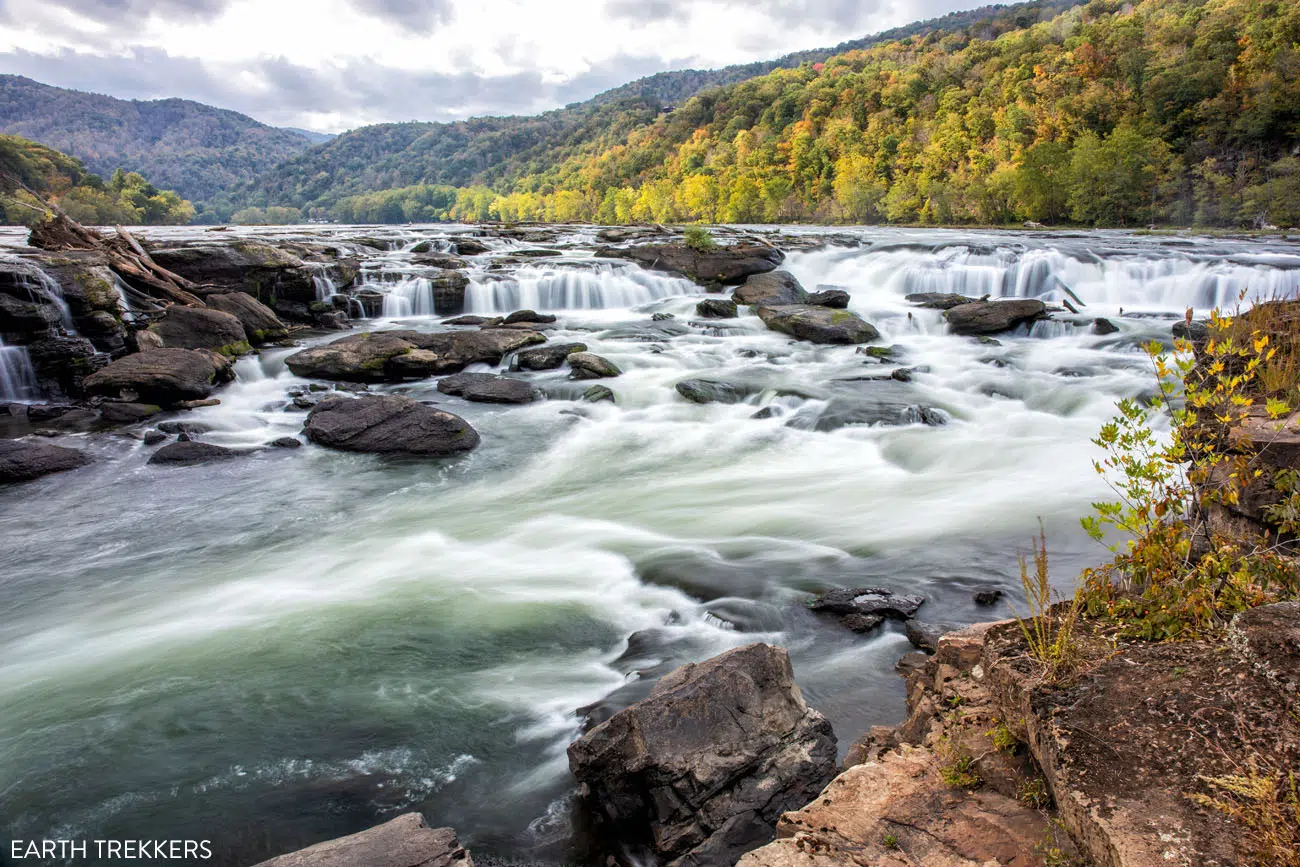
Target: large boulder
(487, 388)
(588, 365)
(388, 424)
(992, 317)
(699, 771)
(21, 460)
(402, 842)
(716, 308)
(259, 321)
(161, 376)
(725, 265)
(818, 324)
(711, 391)
(277, 278)
(394, 356)
(938, 300)
(186, 452)
(62, 364)
(184, 327)
(547, 357)
(775, 287)
(831, 297)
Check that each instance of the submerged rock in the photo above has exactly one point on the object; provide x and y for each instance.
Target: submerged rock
(992, 317)
(259, 321)
(1102, 326)
(488, 388)
(725, 265)
(700, 771)
(818, 324)
(598, 394)
(185, 452)
(406, 841)
(588, 365)
(546, 357)
(717, 308)
(162, 376)
(21, 461)
(864, 608)
(711, 391)
(776, 287)
(388, 424)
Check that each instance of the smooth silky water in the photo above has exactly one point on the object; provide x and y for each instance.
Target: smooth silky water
(293, 646)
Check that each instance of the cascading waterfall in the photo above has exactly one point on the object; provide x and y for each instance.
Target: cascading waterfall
(42, 288)
(597, 287)
(325, 288)
(17, 376)
(412, 296)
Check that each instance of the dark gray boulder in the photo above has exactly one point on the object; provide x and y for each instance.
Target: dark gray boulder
(992, 317)
(388, 424)
(531, 316)
(449, 292)
(186, 452)
(836, 298)
(711, 391)
(21, 460)
(724, 265)
(154, 437)
(871, 402)
(818, 324)
(938, 300)
(184, 327)
(406, 841)
(986, 594)
(162, 376)
(547, 357)
(717, 308)
(1102, 326)
(62, 364)
(259, 321)
(776, 287)
(393, 356)
(859, 606)
(699, 772)
(277, 278)
(285, 443)
(588, 365)
(488, 388)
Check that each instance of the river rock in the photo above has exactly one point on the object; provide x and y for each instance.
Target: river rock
(392, 356)
(835, 298)
(864, 608)
(818, 324)
(184, 327)
(717, 308)
(992, 317)
(487, 388)
(285, 443)
(986, 594)
(776, 287)
(154, 437)
(259, 321)
(406, 841)
(598, 394)
(711, 391)
(546, 357)
(1102, 326)
(21, 461)
(388, 424)
(469, 247)
(528, 316)
(274, 276)
(186, 452)
(439, 260)
(162, 376)
(699, 771)
(62, 364)
(89, 289)
(472, 320)
(588, 365)
(725, 265)
(868, 402)
(938, 300)
(126, 412)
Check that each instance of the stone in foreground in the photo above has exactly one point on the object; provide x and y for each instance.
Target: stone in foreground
(389, 424)
(488, 388)
(699, 771)
(184, 327)
(187, 452)
(404, 842)
(162, 376)
(21, 461)
(818, 324)
(776, 287)
(992, 317)
(588, 365)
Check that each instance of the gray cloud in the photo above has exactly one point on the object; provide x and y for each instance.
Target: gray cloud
(848, 14)
(122, 13)
(420, 16)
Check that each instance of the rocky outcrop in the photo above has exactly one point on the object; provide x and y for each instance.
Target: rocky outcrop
(388, 424)
(183, 327)
(161, 376)
(63, 363)
(448, 292)
(725, 265)
(700, 770)
(89, 288)
(773, 288)
(717, 308)
(546, 357)
(864, 608)
(23, 460)
(394, 356)
(818, 324)
(260, 323)
(276, 277)
(488, 388)
(406, 841)
(993, 317)
(588, 365)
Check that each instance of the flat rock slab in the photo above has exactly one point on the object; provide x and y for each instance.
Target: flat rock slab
(395, 356)
(818, 324)
(21, 461)
(726, 265)
(406, 841)
(389, 424)
(162, 376)
(711, 391)
(488, 388)
(993, 317)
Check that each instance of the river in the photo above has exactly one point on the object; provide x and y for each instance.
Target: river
(272, 651)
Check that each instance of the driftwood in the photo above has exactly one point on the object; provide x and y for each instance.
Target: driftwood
(124, 253)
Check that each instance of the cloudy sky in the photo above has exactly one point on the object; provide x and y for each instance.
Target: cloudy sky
(332, 65)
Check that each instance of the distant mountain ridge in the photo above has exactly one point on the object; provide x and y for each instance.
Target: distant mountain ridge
(187, 146)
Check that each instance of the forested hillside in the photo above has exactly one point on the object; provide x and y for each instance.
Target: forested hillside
(1113, 114)
(193, 148)
(31, 174)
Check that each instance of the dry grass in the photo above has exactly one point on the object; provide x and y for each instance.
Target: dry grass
(1265, 800)
(1278, 375)
(1049, 629)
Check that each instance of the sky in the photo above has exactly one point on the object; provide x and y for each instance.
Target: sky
(332, 65)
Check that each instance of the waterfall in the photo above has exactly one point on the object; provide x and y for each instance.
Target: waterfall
(42, 288)
(412, 296)
(17, 376)
(325, 288)
(590, 288)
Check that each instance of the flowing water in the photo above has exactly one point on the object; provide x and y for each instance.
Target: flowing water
(292, 646)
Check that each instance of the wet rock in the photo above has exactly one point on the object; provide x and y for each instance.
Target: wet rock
(992, 317)
(711, 391)
(63, 363)
(766, 412)
(21, 460)
(863, 608)
(285, 443)
(818, 324)
(26, 316)
(661, 317)
(1102, 327)
(184, 327)
(774, 288)
(700, 770)
(189, 428)
(597, 394)
(120, 412)
(449, 292)
(938, 300)
(717, 308)
(259, 321)
(528, 316)
(154, 437)
(277, 278)
(162, 376)
(835, 298)
(487, 388)
(925, 636)
(392, 356)
(439, 260)
(986, 594)
(725, 265)
(403, 842)
(472, 320)
(186, 452)
(1198, 332)
(546, 357)
(389, 424)
(588, 365)
(869, 402)
(469, 247)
